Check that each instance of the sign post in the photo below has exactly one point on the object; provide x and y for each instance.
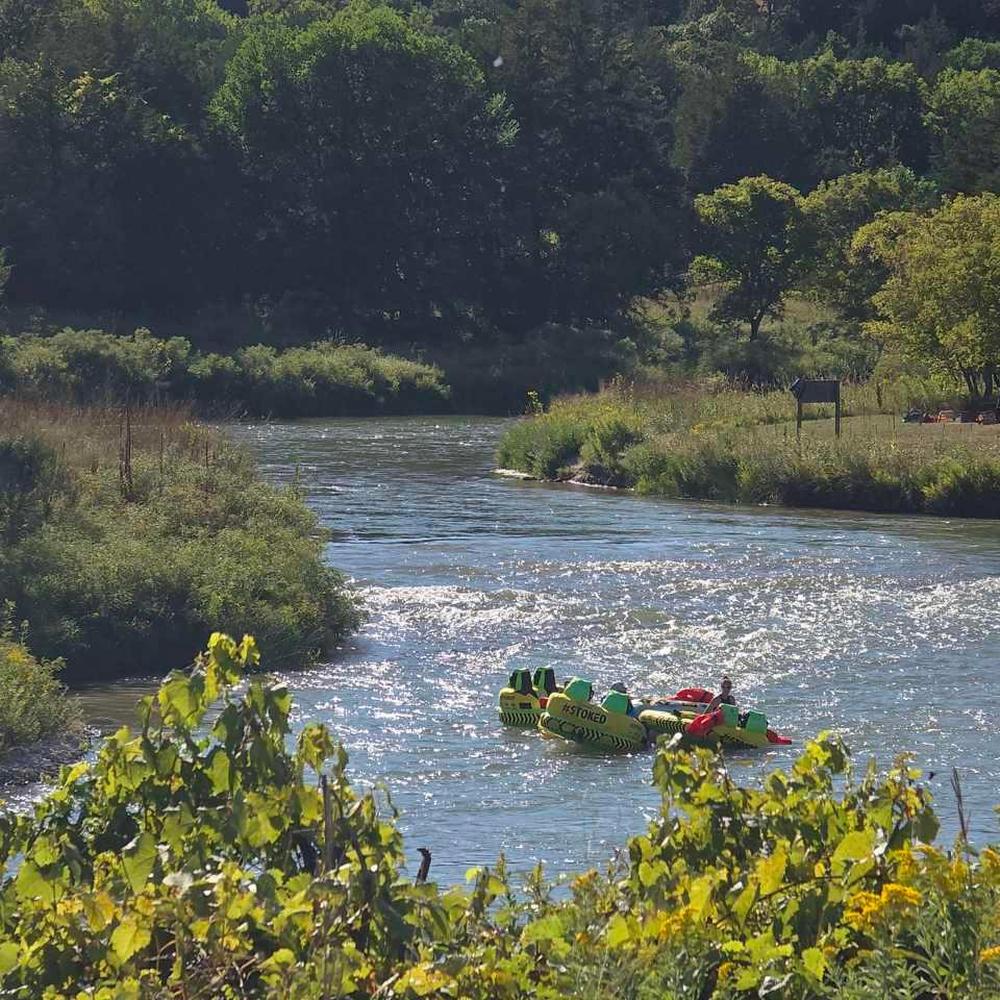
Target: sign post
(815, 390)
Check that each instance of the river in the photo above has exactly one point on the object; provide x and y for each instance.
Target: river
(884, 629)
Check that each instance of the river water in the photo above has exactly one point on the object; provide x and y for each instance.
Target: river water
(884, 629)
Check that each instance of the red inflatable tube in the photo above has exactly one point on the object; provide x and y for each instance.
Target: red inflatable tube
(694, 694)
(773, 737)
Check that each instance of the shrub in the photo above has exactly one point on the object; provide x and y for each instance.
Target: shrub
(34, 704)
(193, 536)
(31, 479)
(542, 447)
(964, 487)
(324, 379)
(610, 434)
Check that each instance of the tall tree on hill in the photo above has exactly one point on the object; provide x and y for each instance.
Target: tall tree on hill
(171, 53)
(730, 120)
(368, 149)
(869, 26)
(858, 114)
(964, 114)
(757, 241)
(593, 198)
(104, 201)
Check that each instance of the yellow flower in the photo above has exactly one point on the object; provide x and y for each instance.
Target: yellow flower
(862, 911)
(990, 954)
(676, 923)
(907, 866)
(899, 896)
(725, 971)
(989, 862)
(865, 910)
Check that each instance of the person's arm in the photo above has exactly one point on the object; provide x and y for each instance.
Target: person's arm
(714, 703)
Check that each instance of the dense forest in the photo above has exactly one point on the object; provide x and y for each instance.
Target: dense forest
(469, 171)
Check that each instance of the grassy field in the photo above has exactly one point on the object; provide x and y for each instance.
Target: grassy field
(713, 441)
(889, 427)
(799, 310)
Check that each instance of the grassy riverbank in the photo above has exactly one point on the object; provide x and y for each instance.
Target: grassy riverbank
(206, 861)
(708, 441)
(122, 542)
(322, 379)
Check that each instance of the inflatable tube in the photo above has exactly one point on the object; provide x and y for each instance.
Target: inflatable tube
(523, 700)
(519, 709)
(592, 725)
(668, 724)
(520, 702)
(675, 705)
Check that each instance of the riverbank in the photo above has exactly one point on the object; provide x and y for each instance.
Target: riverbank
(706, 441)
(325, 378)
(126, 535)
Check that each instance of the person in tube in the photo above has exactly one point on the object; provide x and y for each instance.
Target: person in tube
(725, 696)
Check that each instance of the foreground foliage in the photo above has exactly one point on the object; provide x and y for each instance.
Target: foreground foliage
(120, 536)
(715, 442)
(202, 857)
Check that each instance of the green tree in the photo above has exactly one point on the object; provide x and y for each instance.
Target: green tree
(974, 54)
(5, 270)
(368, 151)
(172, 52)
(756, 240)
(858, 114)
(592, 203)
(941, 301)
(836, 210)
(731, 120)
(105, 202)
(964, 114)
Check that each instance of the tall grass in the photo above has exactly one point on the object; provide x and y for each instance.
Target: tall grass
(114, 556)
(715, 441)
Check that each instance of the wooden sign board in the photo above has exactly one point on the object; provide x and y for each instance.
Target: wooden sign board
(815, 390)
